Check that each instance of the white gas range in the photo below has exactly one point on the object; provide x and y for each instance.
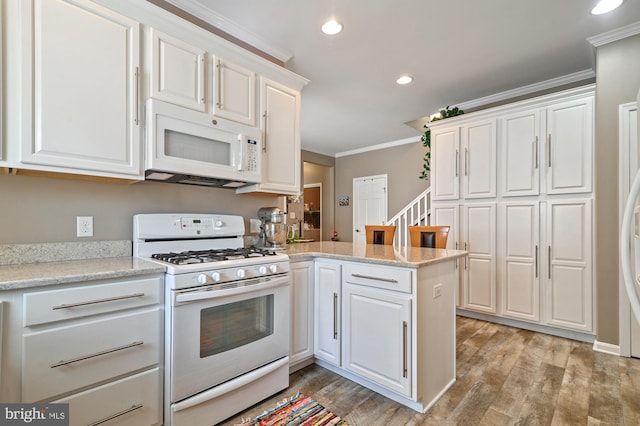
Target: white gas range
(226, 315)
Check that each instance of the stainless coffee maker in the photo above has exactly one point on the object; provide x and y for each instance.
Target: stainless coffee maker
(273, 231)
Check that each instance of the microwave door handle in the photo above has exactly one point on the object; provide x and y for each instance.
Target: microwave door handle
(241, 152)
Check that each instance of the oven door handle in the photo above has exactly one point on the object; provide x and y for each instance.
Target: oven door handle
(193, 296)
(230, 385)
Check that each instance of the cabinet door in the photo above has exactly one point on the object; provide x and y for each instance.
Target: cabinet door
(447, 215)
(479, 225)
(235, 97)
(377, 336)
(177, 71)
(281, 142)
(520, 260)
(83, 114)
(445, 163)
(479, 158)
(327, 288)
(301, 311)
(520, 153)
(569, 147)
(568, 276)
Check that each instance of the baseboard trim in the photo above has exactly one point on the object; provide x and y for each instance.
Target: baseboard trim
(560, 332)
(606, 348)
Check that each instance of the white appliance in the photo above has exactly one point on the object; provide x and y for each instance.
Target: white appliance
(191, 147)
(226, 315)
(630, 234)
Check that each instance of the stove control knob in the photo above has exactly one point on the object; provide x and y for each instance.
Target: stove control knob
(241, 273)
(215, 277)
(273, 268)
(218, 223)
(202, 279)
(262, 270)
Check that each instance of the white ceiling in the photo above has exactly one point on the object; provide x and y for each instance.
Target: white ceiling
(458, 51)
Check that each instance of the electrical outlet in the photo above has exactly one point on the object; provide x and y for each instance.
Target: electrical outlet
(85, 226)
(254, 225)
(437, 291)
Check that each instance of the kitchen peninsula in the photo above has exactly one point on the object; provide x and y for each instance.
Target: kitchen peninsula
(381, 316)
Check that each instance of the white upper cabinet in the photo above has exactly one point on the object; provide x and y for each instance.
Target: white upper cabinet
(479, 150)
(569, 147)
(281, 169)
(178, 71)
(520, 153)
(235, 92)
(80, 89)
(463, 161)
(445, 163)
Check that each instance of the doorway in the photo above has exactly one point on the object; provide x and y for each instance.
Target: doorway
(312, 226)
(369, 204)
(320, 177)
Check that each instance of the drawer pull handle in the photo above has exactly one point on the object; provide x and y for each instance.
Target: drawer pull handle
(91, 302)
(116, 415)
(105, 352)
(369, 277)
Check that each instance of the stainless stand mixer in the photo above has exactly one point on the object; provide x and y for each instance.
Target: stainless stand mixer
(273, 231)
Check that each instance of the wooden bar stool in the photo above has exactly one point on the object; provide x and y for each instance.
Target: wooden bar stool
(429, 236)
(380, 234)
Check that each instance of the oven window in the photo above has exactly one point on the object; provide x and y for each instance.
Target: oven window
(230, 326)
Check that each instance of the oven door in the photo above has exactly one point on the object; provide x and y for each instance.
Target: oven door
(217, 335)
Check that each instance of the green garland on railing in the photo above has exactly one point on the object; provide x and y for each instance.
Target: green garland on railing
(426, 138)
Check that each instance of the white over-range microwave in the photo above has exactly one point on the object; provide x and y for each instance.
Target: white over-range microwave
(191, 147)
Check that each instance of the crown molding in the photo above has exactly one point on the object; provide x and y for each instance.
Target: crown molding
(614, 35)
(531, 88)
(230, 27)
(379, 146)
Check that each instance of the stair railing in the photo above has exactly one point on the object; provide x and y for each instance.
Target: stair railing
(416, 212)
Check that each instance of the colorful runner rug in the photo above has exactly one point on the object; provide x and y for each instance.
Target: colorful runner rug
(300, 410)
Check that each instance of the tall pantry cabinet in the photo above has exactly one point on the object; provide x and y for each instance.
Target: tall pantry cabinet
(518, 180)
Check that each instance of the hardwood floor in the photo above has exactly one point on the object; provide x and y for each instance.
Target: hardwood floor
(505, 376)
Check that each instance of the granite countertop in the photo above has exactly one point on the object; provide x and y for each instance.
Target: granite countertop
(27, 275)
(412, 257)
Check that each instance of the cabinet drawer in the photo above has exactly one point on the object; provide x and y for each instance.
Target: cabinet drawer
(132, 401)
(57, 305)
(63, 359)
(378, 276)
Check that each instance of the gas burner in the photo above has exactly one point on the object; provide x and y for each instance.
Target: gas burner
(214, 255)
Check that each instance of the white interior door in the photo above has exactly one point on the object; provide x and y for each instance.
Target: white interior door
(369, 204)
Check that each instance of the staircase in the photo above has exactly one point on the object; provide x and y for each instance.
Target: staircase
(415, 213)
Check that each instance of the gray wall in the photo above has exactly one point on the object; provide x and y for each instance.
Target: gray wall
(617, 82)
(38, 209)
(402, 164)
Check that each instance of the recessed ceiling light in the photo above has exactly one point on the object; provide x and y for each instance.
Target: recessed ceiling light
(605, 6)
(405, 79)
(331, 27)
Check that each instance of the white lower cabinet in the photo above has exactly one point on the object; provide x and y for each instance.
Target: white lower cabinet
(95, 346)
(448, 215)
(301, 344)
(126, 402)
(568, 276)
(326, 315)
(520, 260)
(377, 336)
(479, 236)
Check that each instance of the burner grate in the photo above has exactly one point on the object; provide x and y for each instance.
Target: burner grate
(213, 255)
